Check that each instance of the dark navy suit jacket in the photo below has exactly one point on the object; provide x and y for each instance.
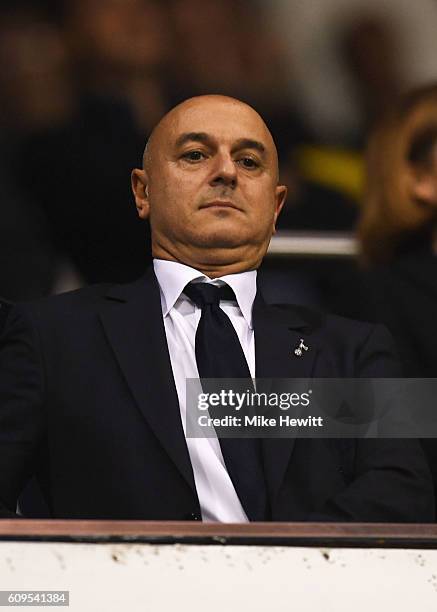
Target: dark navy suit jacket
(88, 404)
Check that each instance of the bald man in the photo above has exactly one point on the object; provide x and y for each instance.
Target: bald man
(92, 383)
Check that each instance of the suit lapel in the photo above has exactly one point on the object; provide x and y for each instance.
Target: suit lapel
(133, 323)
(277, 334)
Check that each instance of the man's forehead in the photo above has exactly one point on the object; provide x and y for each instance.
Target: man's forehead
(216, 117)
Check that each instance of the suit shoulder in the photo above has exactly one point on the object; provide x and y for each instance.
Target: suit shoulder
(345, 325)
(86, 299)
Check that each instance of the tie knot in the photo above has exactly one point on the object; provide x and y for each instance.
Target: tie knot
(205, 293)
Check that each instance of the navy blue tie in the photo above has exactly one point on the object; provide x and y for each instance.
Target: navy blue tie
(219, 355)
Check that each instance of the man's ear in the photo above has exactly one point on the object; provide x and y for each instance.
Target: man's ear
(281, 196)
(139, 183)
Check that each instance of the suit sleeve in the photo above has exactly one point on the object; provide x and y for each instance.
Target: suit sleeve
(391, 479)
(22, 421)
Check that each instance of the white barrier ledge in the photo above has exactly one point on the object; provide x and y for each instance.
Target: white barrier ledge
(312, 244)
(364, 567)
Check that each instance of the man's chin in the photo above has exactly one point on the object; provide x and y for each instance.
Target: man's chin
(220, 240)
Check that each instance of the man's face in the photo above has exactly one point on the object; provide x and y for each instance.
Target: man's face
(210, 183)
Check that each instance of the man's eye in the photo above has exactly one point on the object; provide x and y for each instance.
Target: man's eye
(249, 162)
(193, 156)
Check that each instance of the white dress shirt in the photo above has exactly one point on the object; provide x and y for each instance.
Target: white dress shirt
(217, 496)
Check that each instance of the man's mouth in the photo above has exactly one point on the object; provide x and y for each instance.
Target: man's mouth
(220, 204)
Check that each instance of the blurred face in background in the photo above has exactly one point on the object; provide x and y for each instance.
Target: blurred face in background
(123, 34)
(34, 78)
(423, 174)
(210, 38)
(400, 204)
(210, 185)
(371, 51)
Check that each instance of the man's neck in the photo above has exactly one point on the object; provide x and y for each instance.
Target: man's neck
(212, 267)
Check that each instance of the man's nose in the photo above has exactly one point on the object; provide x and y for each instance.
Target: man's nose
(224, 171)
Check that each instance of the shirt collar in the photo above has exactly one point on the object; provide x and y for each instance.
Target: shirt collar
(173, 277)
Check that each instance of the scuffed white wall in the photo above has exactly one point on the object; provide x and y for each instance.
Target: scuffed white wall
(179, 578)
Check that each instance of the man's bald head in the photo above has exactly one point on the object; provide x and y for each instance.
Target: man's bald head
(159, 132)
(209, 185)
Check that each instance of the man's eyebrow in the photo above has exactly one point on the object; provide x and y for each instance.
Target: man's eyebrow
(193, 136)
(248, 143)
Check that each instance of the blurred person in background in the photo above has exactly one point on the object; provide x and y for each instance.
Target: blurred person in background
(77, 88)
(315, 35)
(36, 89)
(365, 44)
(27, 259)
(349, 61)
(398, 234)
(332, 166)
(208, 58)
(77, 129)
(398, 225)
(370, 51)
(121, 50)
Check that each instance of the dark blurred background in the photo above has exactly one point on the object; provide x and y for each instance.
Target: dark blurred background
(82, 82)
